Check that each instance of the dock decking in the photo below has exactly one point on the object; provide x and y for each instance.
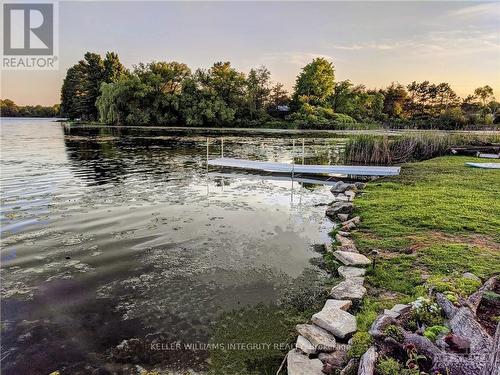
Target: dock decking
(355, 170)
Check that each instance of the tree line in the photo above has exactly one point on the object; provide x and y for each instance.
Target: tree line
(10, 109)
(170, 93)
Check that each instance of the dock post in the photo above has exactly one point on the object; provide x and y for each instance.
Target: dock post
(207, 152)
(222, 148)
(303, 151)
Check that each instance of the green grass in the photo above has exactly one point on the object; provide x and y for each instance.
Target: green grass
(435, 221)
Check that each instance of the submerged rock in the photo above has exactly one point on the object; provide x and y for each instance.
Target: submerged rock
(351, 259)
(349, 289)
(319, 338)
(348, 272)
(339, 322)
(300, 364)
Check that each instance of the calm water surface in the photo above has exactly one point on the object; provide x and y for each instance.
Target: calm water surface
(113, 234)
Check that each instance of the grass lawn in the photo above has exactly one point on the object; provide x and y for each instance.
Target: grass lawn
(434, 222)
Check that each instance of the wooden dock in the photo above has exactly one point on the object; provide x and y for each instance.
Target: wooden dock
(274, 167)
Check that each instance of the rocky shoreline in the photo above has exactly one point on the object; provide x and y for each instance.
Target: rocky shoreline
(439, 335)
(323, 345)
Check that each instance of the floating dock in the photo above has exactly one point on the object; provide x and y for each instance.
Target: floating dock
(266, 166)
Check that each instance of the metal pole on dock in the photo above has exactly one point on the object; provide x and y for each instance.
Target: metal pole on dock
(207, 153)
(303, 151)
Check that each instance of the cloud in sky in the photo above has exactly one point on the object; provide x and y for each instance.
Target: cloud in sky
(490, 10)
(373, 43)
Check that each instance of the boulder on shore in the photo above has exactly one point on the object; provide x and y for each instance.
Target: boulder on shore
(339, 208)
(352, 289)
(351, 259)
(304, 345)
(336, 321)
(348, 272)
(341, 187)
(319, 338)
(338, 304)
(300, 364)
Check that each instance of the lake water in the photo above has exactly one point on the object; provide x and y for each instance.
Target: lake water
(112, 234)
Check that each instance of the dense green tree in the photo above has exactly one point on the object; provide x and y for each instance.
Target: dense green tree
(315, 83)
(485, 94)
(228, 84)
(201, 104)
(258, 92)
(278, 96)
(81, 86)
(10, 109)
(395, 100)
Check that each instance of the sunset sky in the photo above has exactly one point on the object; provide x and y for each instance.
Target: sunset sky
(373, 43)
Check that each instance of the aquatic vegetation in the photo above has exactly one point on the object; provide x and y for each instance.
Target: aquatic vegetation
(373, 149)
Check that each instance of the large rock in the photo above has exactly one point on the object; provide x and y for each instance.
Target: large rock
(355, 220)
(379, 325)
(336, 360)
(397, 310)
(360, 185)
(304, 345)
(300, 364)
(367, 362)
(350, 195)
(348, 272)
(340, 197)
(344, 241)
(343, 217)
(341, 187)
(336, 321)
(350, 368)
(339, 208)
(471, 276)
(349, 289)
(351, 259)
(338, 304)
(320, 339)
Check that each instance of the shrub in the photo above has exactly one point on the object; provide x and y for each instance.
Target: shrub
(388, 366)
(395, 332)
(361, 341)
(433, 332)
(424, 311)
(458, 285)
